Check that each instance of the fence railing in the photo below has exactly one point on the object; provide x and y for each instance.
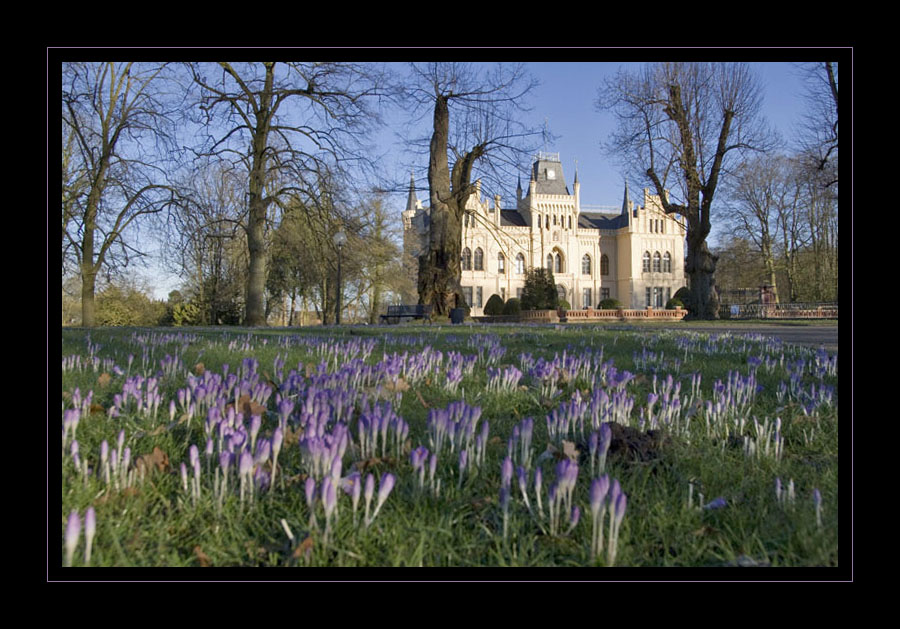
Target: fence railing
(779, 311)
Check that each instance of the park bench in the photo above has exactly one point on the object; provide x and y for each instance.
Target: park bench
(396, 313)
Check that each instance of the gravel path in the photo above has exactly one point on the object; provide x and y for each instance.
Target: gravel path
(814, 335)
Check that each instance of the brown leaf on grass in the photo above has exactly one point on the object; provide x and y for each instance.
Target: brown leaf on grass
(400, 385)
(421, 401)
(97, 408)
(185, 417)
(310, 370)
(374, 462)
(304, 548)
(248, 407)
(292, 436)
(103, 380)
(157, 460)
(199, 369)
(569, 450)
(202, 557)
(495, 440)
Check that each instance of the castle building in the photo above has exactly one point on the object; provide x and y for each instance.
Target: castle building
(634, 255)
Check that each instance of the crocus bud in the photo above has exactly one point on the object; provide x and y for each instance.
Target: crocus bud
(277, 440)
(73, 531)
(385, 487)
(576, 515)
(506, 472)
(90, 529)
(310, 489)
(245, 463)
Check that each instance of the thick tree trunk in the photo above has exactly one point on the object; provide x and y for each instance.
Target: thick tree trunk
(701, 267)
(88, 279)
(439, 264)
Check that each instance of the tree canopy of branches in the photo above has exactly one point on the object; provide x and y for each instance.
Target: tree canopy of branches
(818, 132)
(279, 123)
(117, 135)
(679, 125)
(482, 137)
(207, 245)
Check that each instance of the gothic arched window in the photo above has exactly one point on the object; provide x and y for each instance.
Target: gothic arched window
(586, 265)
(646, 262)
(466, 259)
(520, 264)
(501, 263)
(667, 263)
(559, 263)
(549, 261)
(657, 262)
(604, 265)
(479, 259)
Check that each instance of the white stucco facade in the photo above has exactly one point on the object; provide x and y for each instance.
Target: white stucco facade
(634, 254)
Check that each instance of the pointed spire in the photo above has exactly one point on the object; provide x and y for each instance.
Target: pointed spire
(576, 171)
(625, 200)
(412, 201)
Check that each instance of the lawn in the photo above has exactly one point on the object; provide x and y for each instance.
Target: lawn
(446, 446)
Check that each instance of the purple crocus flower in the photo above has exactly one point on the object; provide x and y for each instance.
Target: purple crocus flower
(90, 529)
(310, 489)
(506, 472)
(599, 489)
(73, 531)
(384, 488)
(573, 519)
(369, 492)
(718, 503)
(245, 463)
(194, 455)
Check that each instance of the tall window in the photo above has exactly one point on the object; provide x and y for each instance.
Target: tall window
(549, 261)
(570, 222)
(657, 262)
(604, 293)
(479, 296)
(467, 293)
(479, 259)
(667, 263)
(466, 259)
(520, 264)
(604, 265)
(501, 263)
(586, 298)
(559, 264)
(646, 266)
(586, 265)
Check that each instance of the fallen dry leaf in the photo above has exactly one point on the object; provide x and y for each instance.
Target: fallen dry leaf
(199, 369)
(304, 548)
(97, 408)
(421, 401)
(248, 407)
(570, 450)
(202, 557)
(157, 460)
(400, 385)
(103, 380)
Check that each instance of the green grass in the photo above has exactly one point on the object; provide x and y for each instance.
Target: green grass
(156, 523)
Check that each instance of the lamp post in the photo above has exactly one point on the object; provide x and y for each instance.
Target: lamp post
(339, 239)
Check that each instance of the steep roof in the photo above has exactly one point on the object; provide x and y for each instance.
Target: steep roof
(597, 220)
(548, 174)
(511, 218)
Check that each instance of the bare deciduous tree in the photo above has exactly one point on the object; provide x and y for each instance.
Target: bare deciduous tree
(679, 126)
(482, 138)
(116, 122)
(280, 122)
